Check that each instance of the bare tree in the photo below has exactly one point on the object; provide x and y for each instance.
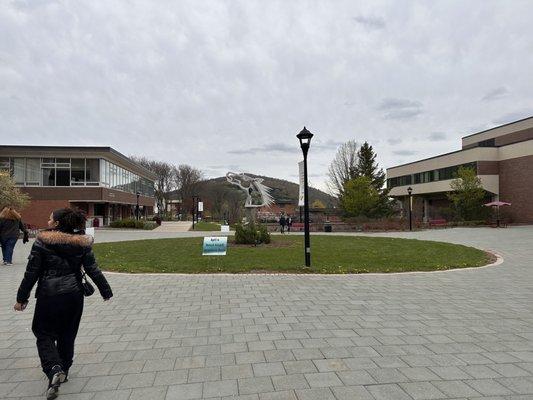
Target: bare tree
(343, 167)
(187, 180)
(166, 178)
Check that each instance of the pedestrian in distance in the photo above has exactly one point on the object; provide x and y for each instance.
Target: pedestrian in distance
(56, 261)
(289, 223)
(282, 223)
(10, 226)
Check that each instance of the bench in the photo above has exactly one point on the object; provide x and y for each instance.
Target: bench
(438, 222)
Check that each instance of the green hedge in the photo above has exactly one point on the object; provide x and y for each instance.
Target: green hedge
(133, 224)
(251, 234)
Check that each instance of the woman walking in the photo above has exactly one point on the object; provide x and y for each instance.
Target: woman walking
(10, 225)
(56, 261)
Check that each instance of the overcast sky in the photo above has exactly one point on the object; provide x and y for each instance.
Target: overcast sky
(226, 85)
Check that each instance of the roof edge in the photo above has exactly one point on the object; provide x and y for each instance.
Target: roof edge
(497, 127)
(429, 158)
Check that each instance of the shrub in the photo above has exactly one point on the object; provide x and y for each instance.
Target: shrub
(251, 234)
(133, 224)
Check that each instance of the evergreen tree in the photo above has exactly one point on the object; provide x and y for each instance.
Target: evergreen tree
(367, 166)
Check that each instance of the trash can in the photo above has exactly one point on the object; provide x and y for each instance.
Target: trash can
(96, 222)
(327, 228)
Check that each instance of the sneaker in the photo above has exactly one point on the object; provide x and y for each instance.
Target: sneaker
(55, 379)
(8, 263)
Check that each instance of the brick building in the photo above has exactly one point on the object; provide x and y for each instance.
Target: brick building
(99, 180)
(502, 158)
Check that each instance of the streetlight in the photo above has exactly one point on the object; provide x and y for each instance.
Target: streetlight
(137, 206)
(305, 140)
(410, 191)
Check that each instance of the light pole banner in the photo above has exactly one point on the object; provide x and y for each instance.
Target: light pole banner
(302, 180)
(200, 206)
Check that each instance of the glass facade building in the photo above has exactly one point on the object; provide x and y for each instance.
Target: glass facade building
(42, 172)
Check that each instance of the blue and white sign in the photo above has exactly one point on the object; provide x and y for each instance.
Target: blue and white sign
(215, 246)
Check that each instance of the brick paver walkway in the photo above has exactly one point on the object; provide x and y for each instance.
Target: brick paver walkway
(452, 335)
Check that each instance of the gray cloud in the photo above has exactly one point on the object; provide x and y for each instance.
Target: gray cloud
(329, 144)
(224, 166)
(267, 148)
(405, 152)
(395, 108)
(496, 94)
(394, 141)
(370, 22)
(436, 136)
(513, 116)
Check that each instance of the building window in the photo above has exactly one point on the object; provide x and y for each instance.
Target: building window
(487, 143)
(62, 176)
(4, 164)
(19, 170)
(92, 171)
(77, 172)
(33, 171)
(49, 176)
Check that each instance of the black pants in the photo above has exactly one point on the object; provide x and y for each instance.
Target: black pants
(55, 325)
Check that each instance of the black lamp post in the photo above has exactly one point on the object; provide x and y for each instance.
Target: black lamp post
(305, 140)
(410, 191)
(137, 207)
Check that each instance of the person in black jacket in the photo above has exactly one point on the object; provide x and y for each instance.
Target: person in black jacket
(282, 222)
(56, 262)
(10, 225)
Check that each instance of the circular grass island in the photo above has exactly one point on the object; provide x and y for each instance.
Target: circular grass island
(330, 255)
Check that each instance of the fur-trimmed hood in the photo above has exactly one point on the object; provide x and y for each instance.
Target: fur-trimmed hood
(52, 237)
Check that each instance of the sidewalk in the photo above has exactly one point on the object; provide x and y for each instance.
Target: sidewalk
(174, 226)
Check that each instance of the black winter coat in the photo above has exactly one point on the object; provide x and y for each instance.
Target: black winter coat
(9, 228)
(55, 262)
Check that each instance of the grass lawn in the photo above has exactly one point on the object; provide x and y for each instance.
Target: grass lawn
(206, 226)
(330, 254)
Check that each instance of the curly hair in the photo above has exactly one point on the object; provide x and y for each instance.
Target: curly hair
(69, 220)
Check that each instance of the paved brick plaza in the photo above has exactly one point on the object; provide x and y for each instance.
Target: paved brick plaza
(452, 335)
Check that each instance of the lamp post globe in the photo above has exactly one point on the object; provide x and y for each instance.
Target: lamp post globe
(305, 142)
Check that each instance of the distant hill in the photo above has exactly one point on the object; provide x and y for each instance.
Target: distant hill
(282, 191)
